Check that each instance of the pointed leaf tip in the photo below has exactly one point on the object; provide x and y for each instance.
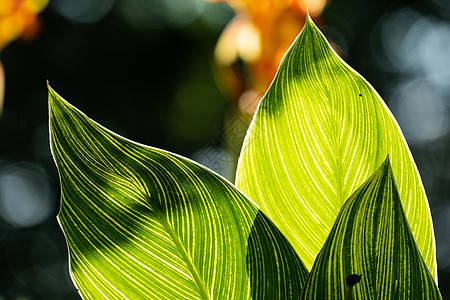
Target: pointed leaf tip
(385, 166)
(309, 23)
(309, 19)
(371, 236)
(52, 95)
(319, 132)
(143, 223)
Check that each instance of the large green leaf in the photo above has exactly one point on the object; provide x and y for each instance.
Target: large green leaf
(371, 236)
(319, 132)
(142, 223)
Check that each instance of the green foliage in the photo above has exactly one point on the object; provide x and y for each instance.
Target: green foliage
(143, 223)
(371, 236)
(320, 131)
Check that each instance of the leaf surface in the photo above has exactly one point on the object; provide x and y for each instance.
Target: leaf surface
(371, 236)
(142, 223)
(319, 132)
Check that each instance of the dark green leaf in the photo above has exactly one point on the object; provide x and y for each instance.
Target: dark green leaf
(371, 237)
(142, 223)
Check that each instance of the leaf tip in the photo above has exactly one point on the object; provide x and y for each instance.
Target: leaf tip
(308, 16)
(56, 105)
(382, 170)
(386, 165)
(309, 21)
(55, 100)
(310, 28)
(51, 93)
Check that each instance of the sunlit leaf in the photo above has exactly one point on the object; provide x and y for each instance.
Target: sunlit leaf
(320, 131)
(142, 223)
(371, 237)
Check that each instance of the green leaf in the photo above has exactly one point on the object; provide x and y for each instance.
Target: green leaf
(142, 223)
(319, 132)
(371, 236)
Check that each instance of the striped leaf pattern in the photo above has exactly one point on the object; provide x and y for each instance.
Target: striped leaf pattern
(319, 132)
(371, 236)
(142, 223)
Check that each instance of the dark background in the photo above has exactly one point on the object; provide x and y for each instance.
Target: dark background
(143, 68)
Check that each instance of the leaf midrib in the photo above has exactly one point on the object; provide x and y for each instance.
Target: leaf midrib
(336, 139)
(186, 258)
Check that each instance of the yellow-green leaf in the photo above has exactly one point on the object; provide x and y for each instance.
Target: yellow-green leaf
(371, 238)
(142, 223)
(319, 132)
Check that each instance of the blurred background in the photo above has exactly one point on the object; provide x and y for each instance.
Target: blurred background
(186, 76)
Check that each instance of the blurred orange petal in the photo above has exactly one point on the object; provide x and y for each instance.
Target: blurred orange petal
(19, 18)
(314, 7)
(2, 87)
(259, 35)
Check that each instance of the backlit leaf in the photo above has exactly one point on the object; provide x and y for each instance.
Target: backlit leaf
(319, 132)
(142, 223)
(371, 237)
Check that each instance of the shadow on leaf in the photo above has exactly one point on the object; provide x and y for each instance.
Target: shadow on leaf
(275, 270)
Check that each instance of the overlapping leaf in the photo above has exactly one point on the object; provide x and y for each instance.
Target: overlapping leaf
(142, 223)
(319, 132)
(371, 236)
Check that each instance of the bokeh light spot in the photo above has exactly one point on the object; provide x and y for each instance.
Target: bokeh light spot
(183, 12)
(421, 112)
(153, 14)
(415, 44)
(25, 197)
(248, 42)
(314, 7)
(82, 11)
(441, 217)
(395, 39)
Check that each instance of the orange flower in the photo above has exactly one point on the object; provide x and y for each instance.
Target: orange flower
(259, 35)
(18, 18)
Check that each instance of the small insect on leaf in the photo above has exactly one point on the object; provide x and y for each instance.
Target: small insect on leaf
(352, 279)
